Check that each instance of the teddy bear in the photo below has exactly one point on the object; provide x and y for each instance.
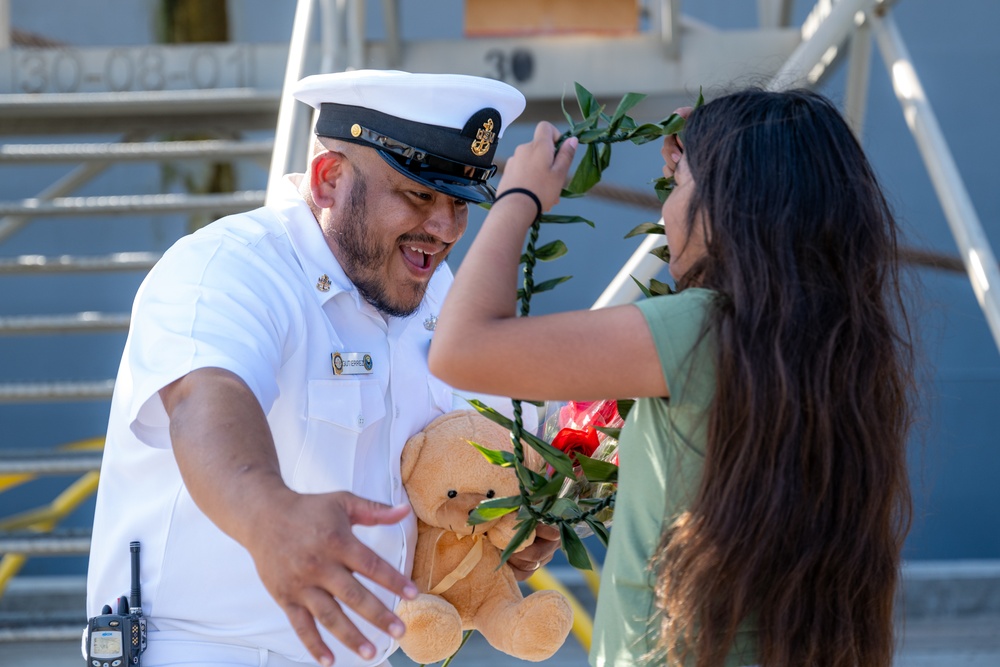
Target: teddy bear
(457, 566)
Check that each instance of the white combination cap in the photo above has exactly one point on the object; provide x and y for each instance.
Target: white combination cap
(441, 130)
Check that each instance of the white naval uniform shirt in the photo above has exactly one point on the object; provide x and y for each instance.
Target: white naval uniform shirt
(242, 294)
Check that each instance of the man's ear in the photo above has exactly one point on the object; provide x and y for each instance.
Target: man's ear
(326, 171)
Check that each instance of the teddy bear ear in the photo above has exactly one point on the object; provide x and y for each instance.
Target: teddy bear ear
(411, 452)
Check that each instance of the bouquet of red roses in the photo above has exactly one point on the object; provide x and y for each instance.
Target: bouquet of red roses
(590, 428)
(574, 487)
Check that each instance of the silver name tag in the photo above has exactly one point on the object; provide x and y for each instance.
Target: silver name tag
(351, 363)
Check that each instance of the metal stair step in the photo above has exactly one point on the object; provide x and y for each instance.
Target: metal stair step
(50, 462)
(119, 261)
(125, 204)
(159, 150)
(46, 631)
(63, 542)
(228, 108)
(86, 322)
(37, 392)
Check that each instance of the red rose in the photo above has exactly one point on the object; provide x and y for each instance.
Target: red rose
(570, 441)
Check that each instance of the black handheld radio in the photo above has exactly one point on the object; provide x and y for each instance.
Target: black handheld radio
(117, 638)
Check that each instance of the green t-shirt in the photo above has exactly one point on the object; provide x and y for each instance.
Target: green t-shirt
(661, 454)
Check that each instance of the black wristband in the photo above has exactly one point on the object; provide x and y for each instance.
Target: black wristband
(523, 191)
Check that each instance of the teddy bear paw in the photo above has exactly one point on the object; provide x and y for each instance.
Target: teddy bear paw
(543, 625)
(433, 628)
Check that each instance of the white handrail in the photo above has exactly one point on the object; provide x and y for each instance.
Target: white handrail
(290, 154)
(973, 245)
(622, 288)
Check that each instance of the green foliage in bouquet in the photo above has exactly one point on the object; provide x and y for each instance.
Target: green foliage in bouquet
(539, 499)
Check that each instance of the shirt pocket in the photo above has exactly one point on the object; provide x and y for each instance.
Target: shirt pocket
(338, 411)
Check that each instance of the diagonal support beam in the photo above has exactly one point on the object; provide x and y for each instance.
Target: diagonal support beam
(858, 68)
(827, 27)
(973, 244)
(823, 35)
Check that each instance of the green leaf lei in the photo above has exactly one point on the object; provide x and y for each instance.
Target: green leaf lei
(538, 500)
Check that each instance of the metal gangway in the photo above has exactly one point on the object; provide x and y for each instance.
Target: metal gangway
(231, 93)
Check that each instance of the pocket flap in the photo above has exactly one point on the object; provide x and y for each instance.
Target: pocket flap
(352, 404)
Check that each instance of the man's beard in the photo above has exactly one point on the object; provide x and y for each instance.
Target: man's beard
(363, 257)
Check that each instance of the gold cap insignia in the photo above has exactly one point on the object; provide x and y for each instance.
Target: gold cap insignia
(484, 139)
(323, 284)
(355, 130)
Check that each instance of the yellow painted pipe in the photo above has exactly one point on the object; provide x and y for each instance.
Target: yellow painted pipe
(592, 576)
(10, 565)
(583, 624)
(10, 481)
(45, 520)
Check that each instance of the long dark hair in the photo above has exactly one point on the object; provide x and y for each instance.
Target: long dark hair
(799, 519)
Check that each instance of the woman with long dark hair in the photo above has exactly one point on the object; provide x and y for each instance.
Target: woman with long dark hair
(763, 494)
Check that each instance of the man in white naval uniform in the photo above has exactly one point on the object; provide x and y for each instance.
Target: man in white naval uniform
(276, 365)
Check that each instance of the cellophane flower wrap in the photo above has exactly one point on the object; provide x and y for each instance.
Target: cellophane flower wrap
(590, 428)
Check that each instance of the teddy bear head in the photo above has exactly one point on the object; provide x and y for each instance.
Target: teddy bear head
(453, 477)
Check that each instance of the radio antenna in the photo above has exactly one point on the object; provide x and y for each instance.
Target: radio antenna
(135, 598)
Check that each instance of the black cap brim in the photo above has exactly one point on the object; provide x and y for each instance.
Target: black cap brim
(471, 190)
(455, 162)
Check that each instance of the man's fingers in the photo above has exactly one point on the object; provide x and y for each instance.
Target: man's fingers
(546, 532)
(356, 557)
(324, 608)
(305, 627)
(370, 513)
(351, 593)
(521, 574)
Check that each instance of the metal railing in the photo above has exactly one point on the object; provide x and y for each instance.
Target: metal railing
(118, 152)
(87, 322)
(829, 27)
(31, 533)
(126, 204)
(119, 261)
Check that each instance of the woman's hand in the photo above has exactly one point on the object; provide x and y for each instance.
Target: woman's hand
(673, 148)
(538, 167)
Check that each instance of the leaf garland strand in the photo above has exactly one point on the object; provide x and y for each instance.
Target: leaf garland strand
(538, 499)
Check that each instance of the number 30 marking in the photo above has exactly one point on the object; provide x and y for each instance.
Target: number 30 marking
(519, 64)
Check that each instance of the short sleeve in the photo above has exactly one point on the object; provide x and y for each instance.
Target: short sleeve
(211, 302)
(677, 323)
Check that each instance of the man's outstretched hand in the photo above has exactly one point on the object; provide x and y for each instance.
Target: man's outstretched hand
(308, 559)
